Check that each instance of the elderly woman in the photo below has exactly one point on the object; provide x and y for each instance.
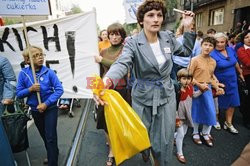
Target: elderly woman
(244, 58)
(225, 71)
(7, 95)
(150, 54)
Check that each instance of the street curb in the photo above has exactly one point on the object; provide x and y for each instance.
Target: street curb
(72, 157)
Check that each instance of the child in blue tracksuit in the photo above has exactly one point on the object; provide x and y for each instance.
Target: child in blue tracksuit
(50, 89)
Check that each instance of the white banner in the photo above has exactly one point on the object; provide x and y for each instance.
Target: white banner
(24, 7)
(69, 43)
(131, 9)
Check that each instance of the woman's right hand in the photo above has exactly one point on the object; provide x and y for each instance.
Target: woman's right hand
(35, 87)
(188, 21)
(107, 84)
(98, 59)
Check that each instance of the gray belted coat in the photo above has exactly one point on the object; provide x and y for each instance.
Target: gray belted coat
(153, 95)
(152, 85)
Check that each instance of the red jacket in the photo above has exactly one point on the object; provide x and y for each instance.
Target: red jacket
(244, 57)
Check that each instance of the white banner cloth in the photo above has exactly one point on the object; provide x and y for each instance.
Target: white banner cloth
(69, 43)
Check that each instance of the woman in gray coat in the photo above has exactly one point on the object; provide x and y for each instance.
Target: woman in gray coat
(149, 54)
(7, 95)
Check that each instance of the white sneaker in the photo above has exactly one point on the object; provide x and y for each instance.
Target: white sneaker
(217, 126)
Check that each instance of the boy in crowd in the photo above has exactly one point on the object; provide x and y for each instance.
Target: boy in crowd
(50, 89)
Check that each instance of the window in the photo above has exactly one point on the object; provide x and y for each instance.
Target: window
(217, 16)
(198, 20)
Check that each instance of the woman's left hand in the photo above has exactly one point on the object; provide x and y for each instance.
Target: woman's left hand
(41, 107)
(188, 21)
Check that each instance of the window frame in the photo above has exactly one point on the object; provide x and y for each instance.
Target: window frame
(215, 13)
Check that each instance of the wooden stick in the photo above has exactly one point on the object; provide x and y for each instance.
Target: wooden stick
(179, 11)
(30, 58)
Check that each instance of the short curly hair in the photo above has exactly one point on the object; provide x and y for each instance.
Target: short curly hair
(149, 5)
(208, 39)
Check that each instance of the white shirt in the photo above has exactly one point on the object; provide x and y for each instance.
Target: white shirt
(161, 59)
(246, 47)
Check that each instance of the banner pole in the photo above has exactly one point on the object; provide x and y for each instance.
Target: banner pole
(30, 58)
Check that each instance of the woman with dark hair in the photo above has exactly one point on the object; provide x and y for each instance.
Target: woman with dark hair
(149, 54)
(244, 58)
(116, 36)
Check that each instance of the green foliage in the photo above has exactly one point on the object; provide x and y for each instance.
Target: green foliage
(170, 4)
(129, 28)
(76, 9)
(9, 21)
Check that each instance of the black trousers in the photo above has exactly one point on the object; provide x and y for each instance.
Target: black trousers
(46, 124)
(245, 102)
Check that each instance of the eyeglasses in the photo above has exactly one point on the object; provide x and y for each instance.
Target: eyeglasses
(38, 55)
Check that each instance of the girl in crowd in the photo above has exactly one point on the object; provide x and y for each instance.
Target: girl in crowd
(244, 58)
(184, 119)
(150, 55)
(116, 35)
(203, 109)
(226, 63)
(104, 43)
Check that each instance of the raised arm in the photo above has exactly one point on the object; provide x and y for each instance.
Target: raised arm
(189, 36)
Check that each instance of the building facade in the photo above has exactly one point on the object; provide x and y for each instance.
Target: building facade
(221, 15)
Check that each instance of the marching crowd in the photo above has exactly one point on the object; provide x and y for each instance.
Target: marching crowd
(172, 81)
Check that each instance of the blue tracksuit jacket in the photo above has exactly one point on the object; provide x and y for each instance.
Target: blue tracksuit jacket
(50, 87)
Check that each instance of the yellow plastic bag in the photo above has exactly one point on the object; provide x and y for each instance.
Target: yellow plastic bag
(127, 133)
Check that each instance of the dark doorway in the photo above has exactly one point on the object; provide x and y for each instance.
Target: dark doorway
(240, 15)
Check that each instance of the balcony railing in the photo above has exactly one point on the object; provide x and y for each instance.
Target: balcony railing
(198, 3)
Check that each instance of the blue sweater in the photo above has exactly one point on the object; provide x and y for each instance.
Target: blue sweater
(50, 87)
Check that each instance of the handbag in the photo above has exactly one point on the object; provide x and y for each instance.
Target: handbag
(15, 118)
(243, 91)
